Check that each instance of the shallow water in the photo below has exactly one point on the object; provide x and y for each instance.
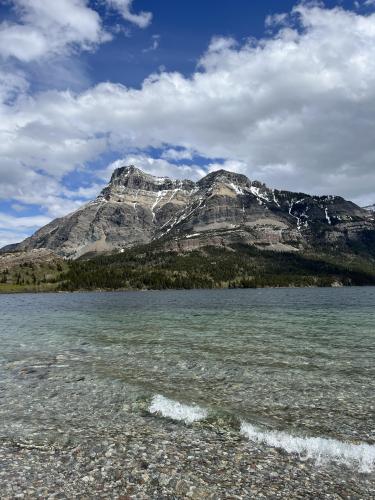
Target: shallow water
(300, 362)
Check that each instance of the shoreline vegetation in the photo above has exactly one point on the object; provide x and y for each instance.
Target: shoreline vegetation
(150, 267)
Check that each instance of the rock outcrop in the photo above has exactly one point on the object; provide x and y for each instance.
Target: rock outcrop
(220, 209)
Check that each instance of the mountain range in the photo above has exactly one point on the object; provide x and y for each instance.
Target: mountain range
(221, 209)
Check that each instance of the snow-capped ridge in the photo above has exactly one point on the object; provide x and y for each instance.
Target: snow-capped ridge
(223, 208)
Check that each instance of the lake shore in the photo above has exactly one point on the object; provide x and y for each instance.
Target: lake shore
(153, 459)
(13, 289)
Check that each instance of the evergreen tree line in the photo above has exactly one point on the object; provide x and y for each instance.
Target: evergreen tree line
(241, 266)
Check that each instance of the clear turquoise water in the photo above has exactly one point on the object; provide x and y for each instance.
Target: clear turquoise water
(295, 360)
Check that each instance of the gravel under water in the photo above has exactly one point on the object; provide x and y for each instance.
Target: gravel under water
(195, 394)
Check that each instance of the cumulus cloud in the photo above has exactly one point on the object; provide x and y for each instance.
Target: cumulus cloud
(48, 28)
(295, 109)
(291, 100)
(124, 7)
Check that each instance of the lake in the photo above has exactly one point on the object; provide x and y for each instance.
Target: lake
(292, 369)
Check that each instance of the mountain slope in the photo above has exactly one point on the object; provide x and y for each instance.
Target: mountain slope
(222, 209)
(237, 266)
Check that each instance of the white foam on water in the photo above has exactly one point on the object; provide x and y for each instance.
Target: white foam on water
(175, 410)
(322, 450)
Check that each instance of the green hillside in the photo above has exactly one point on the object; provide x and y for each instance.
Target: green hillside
(239, 266)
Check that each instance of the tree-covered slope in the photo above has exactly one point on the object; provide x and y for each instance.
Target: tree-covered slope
(149, 267)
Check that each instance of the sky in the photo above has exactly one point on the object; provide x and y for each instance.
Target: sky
(282, 91)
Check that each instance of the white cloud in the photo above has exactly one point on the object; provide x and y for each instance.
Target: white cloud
(18, 207)
(14, 229)
(8, 236)
(22, 223)
(231, 165)
(12, 83)
(219, 44)
(154, 44)
(124, 7)
(177, 154)
(291, 100)
(50, 28)
(27, 187)
(84, 193)
(276, 20)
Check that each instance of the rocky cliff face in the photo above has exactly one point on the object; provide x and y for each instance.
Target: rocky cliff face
(220, 209)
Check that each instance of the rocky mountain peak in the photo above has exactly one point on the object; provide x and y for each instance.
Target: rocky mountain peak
(220, 209)
(124, 172)
(223, 176)
(132, 178)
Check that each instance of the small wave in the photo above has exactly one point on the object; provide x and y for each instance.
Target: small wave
(322, 450)
(175, 410)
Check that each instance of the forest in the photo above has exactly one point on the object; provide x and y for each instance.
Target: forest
(238, 266)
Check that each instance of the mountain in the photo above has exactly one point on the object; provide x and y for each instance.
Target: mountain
(220, 210)
(371, 208)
